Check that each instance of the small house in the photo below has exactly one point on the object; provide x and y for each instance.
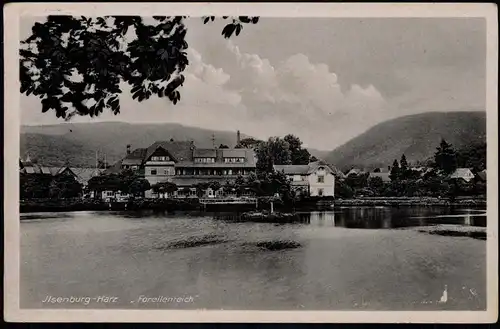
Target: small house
(314, 179)
(462, 173)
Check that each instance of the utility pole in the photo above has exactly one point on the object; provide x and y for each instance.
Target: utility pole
(213, 140)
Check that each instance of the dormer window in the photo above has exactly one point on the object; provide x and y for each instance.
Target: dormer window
(234, 160)
(204, 160)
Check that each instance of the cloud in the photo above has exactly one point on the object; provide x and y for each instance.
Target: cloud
(304, 98)
(261, 99)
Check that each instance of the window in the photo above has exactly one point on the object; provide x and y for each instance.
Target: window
(160, 158)
(204, 160)
(321, 179)
(165, 171)
(320, 192)
(153, 172)
(134, 167)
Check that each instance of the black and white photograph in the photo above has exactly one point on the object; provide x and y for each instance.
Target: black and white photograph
(327, 159)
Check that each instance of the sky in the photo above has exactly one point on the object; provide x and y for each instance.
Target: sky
(326, 80)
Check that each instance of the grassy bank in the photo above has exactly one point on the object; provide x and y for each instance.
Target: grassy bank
(411, 201)
(65, 205)
(474, 232)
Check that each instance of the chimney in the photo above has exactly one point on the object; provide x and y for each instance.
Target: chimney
(192, 147)
(128, 149)
(238, 137)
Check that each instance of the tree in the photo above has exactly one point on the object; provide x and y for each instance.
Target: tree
(343, 190)
(75, 64)
(273, 152)
(394, 175)
(104, 182)
(65, 186)
(445, 158)
(138, 186)
(201, 188)
(223, 146)
(376, 184)
(472, 156)
(248, 143)
(215, 185)
(164, 187)
(357, 181)
(313, 159)
(403, 168)
(240, 181)
(298, 155)
(34, 186)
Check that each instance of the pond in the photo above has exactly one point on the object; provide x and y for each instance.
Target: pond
(370, 258)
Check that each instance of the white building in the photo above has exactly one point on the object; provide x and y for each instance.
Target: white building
(463, 173)
(314, 179)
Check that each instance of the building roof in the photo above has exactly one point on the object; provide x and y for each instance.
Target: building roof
(461, 172)
(183, 153)
(83, 175)
(355, 171)
(135, 157)
(336, 172)
(179, 150)
(204, 153)
(482, 175)
(248, 154)
(115, 168)
(32, 168)
(292, 169)
(234, 153)
(384, 175)
(301, 169)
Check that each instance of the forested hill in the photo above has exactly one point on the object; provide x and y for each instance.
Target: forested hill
(416, 136)
(77, 143)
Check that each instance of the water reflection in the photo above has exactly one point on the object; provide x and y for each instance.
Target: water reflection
(383, 217)
(312, 264)
(389, 217)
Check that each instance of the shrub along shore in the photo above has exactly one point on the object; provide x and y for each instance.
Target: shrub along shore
(64, 205)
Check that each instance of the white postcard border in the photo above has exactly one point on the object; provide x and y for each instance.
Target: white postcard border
(12, 14)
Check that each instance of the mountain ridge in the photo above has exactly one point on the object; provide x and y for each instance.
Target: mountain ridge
(416, 136)
(53, 144)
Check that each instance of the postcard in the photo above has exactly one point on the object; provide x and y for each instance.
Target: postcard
(251, 162)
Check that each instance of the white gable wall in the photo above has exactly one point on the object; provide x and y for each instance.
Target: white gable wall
(325, 188)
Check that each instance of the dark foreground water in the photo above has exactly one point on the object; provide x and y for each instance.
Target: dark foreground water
(349, 258)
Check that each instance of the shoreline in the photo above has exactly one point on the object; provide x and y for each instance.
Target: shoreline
(312, 204)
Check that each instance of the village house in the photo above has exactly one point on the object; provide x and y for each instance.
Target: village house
(385, 176)
(29, 168)
(81, 174)
(313, 179)
(462, 173)
(355, 171)
(482, 175)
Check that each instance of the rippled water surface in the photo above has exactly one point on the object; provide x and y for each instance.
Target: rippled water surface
(347, 258)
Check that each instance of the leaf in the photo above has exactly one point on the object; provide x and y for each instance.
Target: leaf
(228, 30)
(238, 29)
